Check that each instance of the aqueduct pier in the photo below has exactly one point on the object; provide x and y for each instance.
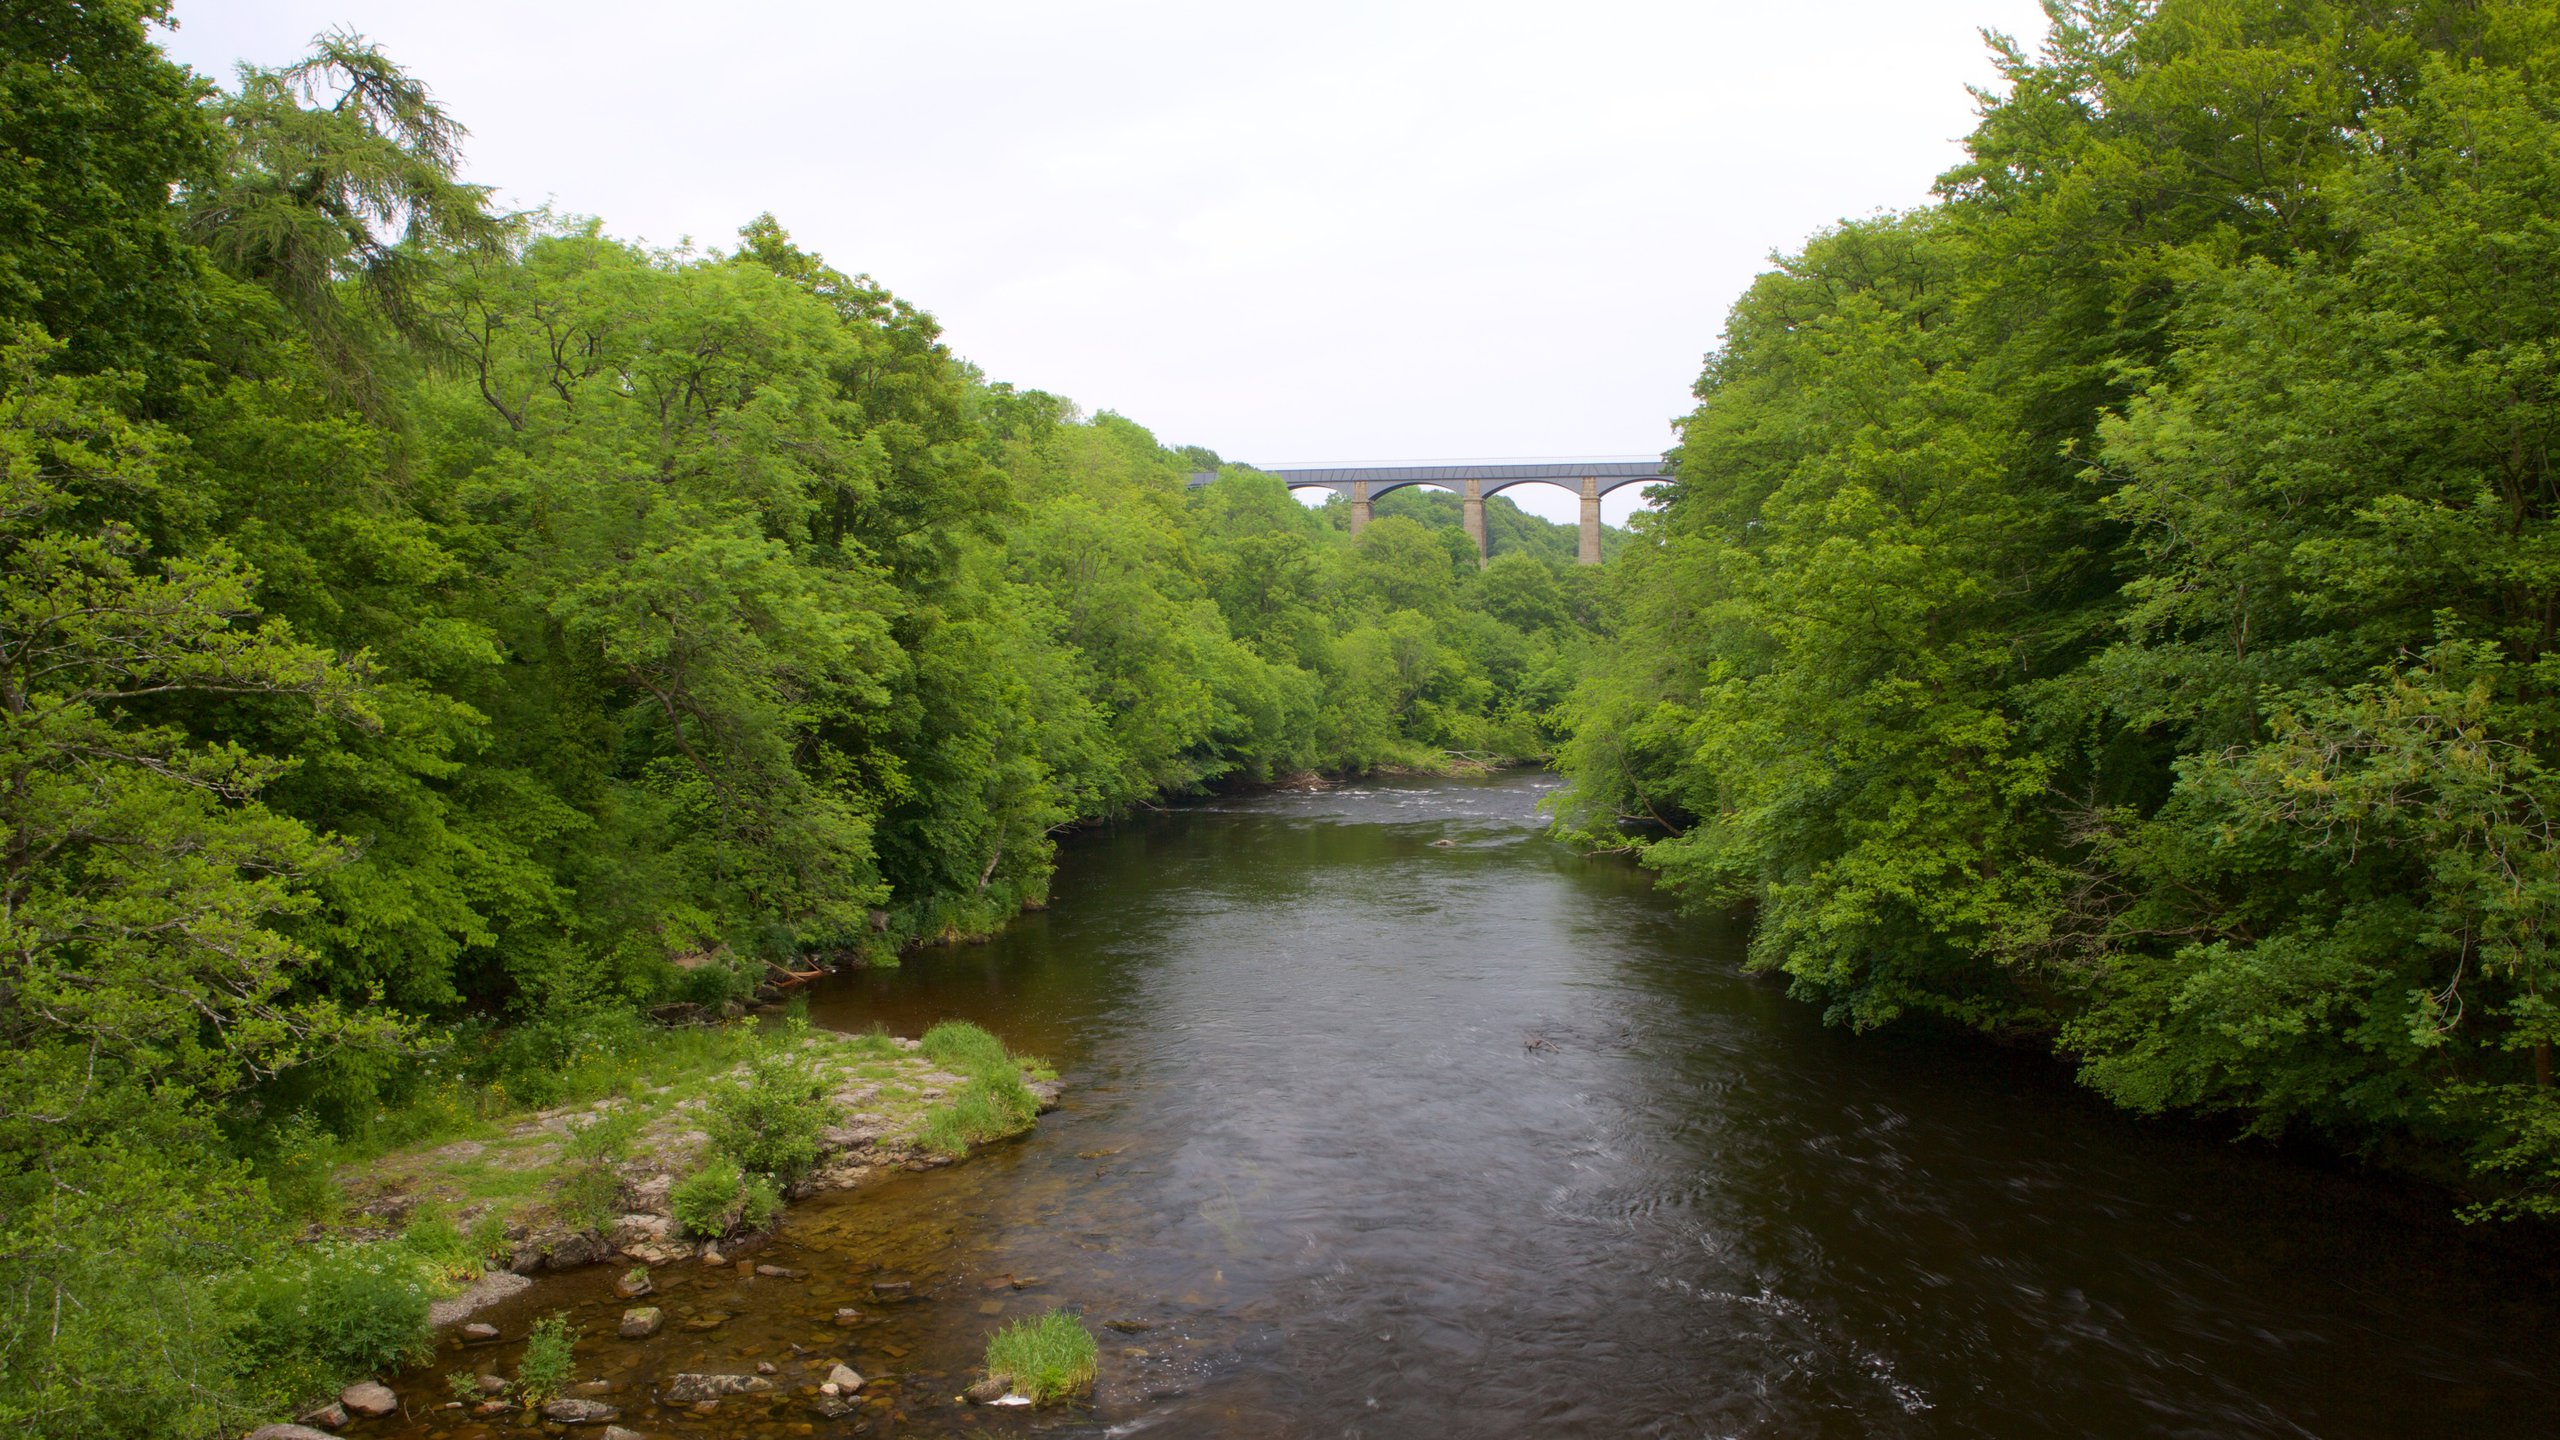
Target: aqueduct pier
(1590, 479)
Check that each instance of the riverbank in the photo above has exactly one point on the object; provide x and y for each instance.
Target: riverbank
(694, 1159)
(578, 1184)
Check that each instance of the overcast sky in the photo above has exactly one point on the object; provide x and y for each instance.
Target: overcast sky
(1292, 233)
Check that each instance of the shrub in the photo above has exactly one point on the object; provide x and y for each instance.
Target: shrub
(707, 1201)
(769, 1120)
(592, 1194)
(761, 1204)
(1048, 1358)
(547, 1361)
(296, 1168)
(348, 1309)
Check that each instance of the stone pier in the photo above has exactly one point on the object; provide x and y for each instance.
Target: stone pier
(1473, 494)
(1359, 506)
(1589, 553)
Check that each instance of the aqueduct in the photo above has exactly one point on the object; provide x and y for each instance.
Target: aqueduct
(1590, 479)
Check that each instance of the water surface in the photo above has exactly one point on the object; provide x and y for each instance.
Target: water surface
(1388, 1116)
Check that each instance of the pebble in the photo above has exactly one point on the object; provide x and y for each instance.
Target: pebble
(641, 1321)
(369, 1397)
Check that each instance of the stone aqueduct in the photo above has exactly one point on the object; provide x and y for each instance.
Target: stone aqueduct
(1590, 479)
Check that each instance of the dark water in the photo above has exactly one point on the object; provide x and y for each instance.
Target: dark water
(1374, 1137)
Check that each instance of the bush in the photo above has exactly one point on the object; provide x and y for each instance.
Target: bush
(296, 1166)
(1048, 1358)
(769, 1121)
(761, 1204)
(592, 1194)
(707, 1201)
(547, 1361)
(348, 1309)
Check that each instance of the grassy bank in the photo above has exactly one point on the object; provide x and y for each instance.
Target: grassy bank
(648, 1147)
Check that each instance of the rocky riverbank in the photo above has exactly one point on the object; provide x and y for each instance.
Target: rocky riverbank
(545, 1193)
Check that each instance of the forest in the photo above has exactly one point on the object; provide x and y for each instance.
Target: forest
(2113, 606)
(430, 635)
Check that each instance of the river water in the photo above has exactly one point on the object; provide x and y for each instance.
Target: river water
(1388, 1116)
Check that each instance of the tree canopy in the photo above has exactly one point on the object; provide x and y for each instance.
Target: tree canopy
(2114, 602)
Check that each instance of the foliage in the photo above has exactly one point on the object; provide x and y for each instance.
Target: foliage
(2113, 602)
(759, 1203)
(343, 1310)
(708, 1201)
(430, 637)
(768, 1119)
(548, 1362)
(1049, 1357)
(591, 1195)
(963, 1048)
(991, 1101)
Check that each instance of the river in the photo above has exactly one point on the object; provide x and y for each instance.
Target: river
(1388, 1116)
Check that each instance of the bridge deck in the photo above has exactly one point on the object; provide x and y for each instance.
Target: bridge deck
(1607, 475)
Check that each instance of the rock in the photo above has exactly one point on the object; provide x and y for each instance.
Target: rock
(633, 1284)
(844, 1377)
(708, 1320)
(1010, 1399)
(616, 1432)
(691, 1388)
(569, 1249)
(767, 1367)
(781, 1272)
(592, 1387)
(488, 1290)
(479, 1333)
(987, 1391)
(327, 1417)
(289, 1432)
(711, 1256)
(493, 1407)
(641, 1321)
(833, 1404)
(580, 1412)
(892, 1289)
(632, 1231)
(369, 1397)
(490, 1384)
(848, 1316)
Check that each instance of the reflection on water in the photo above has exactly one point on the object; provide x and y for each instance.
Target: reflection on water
(1368, 1135)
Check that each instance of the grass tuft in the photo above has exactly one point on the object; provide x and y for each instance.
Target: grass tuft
(1047, 1358)
(991, 1102)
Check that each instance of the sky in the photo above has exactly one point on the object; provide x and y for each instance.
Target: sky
(1296, 234)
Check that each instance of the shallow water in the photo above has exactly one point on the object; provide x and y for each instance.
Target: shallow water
(1368, 1136)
